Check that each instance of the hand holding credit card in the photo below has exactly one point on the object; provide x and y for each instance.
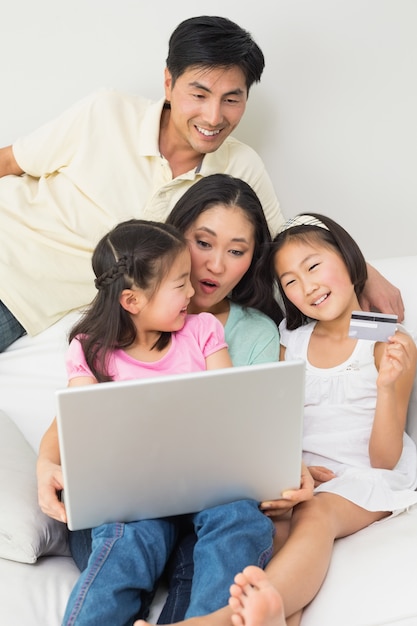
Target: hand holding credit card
(372, 326)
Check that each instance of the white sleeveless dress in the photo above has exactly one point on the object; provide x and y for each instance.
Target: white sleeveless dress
(338, 416)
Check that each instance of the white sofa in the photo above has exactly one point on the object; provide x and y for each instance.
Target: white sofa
(373, 575)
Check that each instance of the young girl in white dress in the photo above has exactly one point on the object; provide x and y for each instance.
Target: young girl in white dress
(356, 400)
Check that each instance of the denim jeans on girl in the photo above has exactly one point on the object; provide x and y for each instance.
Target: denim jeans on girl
(128, 559)
(179, 577)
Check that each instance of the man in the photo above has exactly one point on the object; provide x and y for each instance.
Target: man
(112, 157)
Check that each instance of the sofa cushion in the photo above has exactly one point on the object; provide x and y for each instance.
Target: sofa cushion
(25, 532)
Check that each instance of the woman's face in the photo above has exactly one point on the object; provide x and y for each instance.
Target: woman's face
(222, 242)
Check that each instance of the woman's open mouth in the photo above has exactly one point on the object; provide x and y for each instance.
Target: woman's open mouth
(208, 286)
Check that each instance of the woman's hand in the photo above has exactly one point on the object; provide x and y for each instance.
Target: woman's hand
(278, 508)
(49, 485)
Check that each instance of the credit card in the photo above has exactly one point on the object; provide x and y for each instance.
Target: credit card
(372, 326)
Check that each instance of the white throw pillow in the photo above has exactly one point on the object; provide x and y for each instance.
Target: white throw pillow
(25, 532)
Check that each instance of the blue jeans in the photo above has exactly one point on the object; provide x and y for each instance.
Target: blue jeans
(179, 577)
(80, 546)
(128, 559)
(178, 573)
(10, 328)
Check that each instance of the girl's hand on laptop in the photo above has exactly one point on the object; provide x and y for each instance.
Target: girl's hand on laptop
(278, 508)
(50, 483)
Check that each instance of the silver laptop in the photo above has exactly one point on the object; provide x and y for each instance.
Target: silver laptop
(170, 445)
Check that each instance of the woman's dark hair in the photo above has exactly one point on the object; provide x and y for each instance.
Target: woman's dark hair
(256, 287)
(210, 42)
(336, 238)
(135, 253)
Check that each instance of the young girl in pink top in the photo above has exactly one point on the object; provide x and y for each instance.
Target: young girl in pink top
(138, 326)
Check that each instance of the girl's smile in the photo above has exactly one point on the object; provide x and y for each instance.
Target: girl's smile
(320, 300)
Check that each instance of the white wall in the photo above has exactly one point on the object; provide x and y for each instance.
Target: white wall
(334, 117)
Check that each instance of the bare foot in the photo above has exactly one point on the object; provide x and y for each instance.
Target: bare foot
(254, 601)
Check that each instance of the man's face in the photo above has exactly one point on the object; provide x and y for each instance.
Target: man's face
(206, 106)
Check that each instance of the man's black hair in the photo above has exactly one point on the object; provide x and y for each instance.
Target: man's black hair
(211, 41)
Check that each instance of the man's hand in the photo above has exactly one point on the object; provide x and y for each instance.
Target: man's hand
(8, 164)
(380, 295)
